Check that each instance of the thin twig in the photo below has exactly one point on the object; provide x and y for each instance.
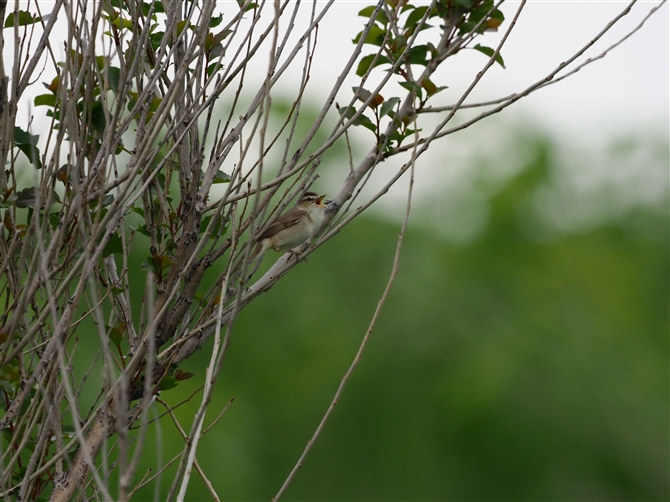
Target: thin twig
(364, 341)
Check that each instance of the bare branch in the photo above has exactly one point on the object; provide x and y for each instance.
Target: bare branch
(159, 139)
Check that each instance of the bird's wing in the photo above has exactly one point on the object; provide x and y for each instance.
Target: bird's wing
(288, 219)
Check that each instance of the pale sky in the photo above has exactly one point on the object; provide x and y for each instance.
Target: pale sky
(624, 94)
(628, 88)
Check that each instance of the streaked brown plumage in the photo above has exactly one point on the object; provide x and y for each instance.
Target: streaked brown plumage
(293, 227)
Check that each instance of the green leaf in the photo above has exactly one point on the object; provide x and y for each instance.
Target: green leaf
(240, 3)
(27, 143)
(158, 7)
(113, 74)
(132, 100)
(45, 100)
(417, 55)
(9, 372)
(494, 22)
(399, 136)
(8, 200)
(113, 246)
(19, 473)
(411, 86)
(146, 6)
(368, 11)
(215, 21)
(496, 14)
(116, 334)
(98, 120)
(167, 383)
(347, 112)
(149, 264)
(475, 15)
(388, 106)
(218, 230)
(121, 23)
(466, 4)
(415, 16)
(156, 39)
(155, 103)
(364, 121)
(25, 18)
(27, 402)
(217, 51)
(26, 198)
(158, 263)
(489, 52)
(69, 431)
(106, 201)
(366, 61)
(53, 86)
(213, 67)
(138, 210)
(54, 220)
(398, 46)
(362, 94)
(221, 177)
(375, 36)
(213, 41)
(429, 86)
(144, 231)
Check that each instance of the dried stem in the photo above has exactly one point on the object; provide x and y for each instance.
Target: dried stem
(158, 136)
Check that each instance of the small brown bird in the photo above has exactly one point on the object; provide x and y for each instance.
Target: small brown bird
(293, 227)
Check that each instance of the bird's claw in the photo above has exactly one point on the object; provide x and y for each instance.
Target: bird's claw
(296, 254)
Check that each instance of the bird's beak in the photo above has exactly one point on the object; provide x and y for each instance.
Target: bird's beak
(319, 199)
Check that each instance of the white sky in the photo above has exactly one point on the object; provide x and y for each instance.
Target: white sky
(627, 89)
(626, 93)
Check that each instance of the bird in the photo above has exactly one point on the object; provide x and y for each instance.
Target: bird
(293, 227)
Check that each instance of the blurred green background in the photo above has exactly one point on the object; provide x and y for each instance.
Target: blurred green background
(528, 362)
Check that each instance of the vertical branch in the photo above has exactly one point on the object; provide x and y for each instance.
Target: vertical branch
(61, 237)
(364, 341)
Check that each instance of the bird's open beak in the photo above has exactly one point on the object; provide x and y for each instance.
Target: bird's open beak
(319, 199)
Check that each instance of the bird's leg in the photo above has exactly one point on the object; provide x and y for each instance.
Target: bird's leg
(299, 250)
(295, 254)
